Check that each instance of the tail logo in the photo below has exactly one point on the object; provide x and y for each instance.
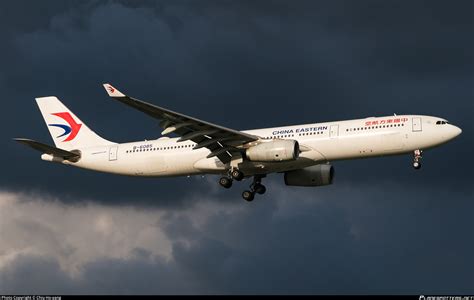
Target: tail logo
(72, 130)
(111, 89)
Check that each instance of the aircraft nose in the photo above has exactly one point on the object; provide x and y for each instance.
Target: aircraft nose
(456, 131)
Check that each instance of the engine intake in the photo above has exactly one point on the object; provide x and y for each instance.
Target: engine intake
(277, 150)
(318, 175)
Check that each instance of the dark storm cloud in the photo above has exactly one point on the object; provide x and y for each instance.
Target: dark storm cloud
(381, 228)
(273, 63)
(296, 242)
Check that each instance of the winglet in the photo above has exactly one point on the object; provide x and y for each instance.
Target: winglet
(113, 92)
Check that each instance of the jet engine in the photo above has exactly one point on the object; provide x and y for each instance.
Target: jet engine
(317, 175)
(277, 150)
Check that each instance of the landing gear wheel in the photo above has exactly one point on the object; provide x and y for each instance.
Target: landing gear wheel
(260, 189)
(225, 182)
(417, 155)
(248, 195)
(237, 175)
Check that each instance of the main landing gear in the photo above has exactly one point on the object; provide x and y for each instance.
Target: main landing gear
(255, 188)
(237, 175)
(417, 155)
(226, 181)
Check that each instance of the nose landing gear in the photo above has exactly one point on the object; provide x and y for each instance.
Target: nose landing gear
(417, 155)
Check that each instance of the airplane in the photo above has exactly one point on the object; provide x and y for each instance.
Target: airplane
(301, 152)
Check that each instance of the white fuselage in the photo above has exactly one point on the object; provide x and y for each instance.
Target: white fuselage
(319, 142)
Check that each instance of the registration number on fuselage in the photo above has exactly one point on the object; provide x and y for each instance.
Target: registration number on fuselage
(142, 147)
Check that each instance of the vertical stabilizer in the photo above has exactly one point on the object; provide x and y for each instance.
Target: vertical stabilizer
(66, 129)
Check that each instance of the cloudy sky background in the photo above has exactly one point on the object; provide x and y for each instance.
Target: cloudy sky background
(381, 228)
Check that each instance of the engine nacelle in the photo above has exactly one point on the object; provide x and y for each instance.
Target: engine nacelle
(311, 176)
(277, 150)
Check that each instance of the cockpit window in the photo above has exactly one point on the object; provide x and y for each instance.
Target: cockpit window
(441, 122)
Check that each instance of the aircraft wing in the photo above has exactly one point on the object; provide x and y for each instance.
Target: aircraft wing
(223, 142)
(48, 149)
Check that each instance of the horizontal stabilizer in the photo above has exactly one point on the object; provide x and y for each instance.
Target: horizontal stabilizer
(49, 149)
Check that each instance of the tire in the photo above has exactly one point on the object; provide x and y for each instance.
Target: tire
(225, 182)
(260, 189)
(417, 165)
(248, 196)
(237, 175)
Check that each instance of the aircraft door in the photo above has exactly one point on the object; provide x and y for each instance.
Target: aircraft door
(334, 131)
(416, 124)
(113, 153)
